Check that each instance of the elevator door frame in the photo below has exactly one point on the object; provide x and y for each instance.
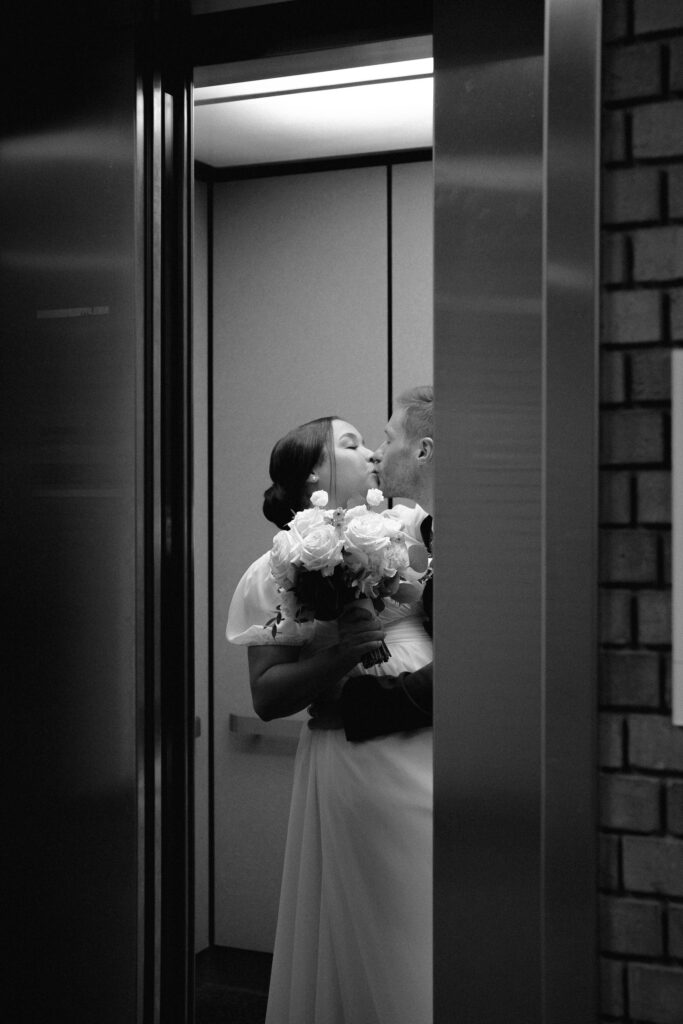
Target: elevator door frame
(515, 764)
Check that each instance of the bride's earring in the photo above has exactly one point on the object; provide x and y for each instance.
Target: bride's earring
(312, 478)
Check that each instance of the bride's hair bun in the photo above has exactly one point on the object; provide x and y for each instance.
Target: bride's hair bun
(291, 461)
(278, 506)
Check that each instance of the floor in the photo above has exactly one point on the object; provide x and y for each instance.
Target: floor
(231, 986)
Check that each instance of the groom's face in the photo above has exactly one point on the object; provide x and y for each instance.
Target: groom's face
(396, 460)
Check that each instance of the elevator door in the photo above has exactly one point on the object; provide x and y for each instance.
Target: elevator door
(69, 368)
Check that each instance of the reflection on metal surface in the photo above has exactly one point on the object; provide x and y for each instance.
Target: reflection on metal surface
(60, 314)
(69, 446)
(515, 343)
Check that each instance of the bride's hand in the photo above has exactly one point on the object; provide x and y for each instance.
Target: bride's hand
(360, 631)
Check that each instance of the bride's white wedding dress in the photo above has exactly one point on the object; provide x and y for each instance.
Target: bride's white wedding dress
(354, 931)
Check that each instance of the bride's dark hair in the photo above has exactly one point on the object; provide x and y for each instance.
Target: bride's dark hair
(291, 462)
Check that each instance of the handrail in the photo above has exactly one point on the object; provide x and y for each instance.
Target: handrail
(250, 725)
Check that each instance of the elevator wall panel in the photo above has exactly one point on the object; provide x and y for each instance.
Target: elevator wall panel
(69, 445)
(412, 274)
(299, 331)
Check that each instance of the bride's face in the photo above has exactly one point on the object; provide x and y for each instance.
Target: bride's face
(353, 473)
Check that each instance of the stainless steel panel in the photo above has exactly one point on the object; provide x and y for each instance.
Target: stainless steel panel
(571, 511)
(514, 928)
(69, 446)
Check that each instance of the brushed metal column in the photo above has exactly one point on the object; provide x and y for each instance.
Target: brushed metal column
(71, 350)
(515, 512)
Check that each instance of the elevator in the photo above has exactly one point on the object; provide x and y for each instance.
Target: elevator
(98, 455)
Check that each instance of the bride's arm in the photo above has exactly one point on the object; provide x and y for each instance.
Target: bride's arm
(283, 683)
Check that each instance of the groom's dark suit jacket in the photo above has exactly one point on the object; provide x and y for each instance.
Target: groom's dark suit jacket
(369, 709)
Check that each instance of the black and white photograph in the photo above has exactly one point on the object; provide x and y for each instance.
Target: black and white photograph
(342, 458)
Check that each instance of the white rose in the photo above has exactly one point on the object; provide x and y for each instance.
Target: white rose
(355, 512)
(321, 549)
(285, 550)
(374, 497)
(392, 521)
(303, 522)
(396, 556)
(319, 499)
(365, 538)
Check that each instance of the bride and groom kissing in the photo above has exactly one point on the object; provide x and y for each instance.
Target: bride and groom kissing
(353, 941)
(368, 707)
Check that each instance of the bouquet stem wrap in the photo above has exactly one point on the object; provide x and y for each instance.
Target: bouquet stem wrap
(381, 653)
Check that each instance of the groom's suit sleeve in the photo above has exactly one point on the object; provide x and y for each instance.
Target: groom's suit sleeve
(368, 709)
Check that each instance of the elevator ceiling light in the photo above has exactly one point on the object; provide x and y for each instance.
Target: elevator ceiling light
(325, 114)
(316, 80)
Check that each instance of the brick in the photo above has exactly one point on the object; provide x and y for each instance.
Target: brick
(675, 189)
(631, 316)
(657, 129)
(609, 862)
(674, 808)
(615, 497)
(613, 268)
(651, 375)
(676, 314)
(676, 64)
(658, 252)
(654, 617)
(629, 803)
(612, 380)
(629, 678)
(611, 741)
(628, 556)
(630, 194)
(653, 865)
(631, 437)
(676, 930)
(615, 617)
(653, 490)
(655, 993)
(657, 15)
(666, 558)
(613, 141)
(654, 743)
(615, 19)
(632, 72)
(612, 987)
(631, 926)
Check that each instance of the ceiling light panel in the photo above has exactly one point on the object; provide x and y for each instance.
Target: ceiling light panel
(315, 80)
(325, 122)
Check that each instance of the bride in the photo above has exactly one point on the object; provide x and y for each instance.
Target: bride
(354, 933)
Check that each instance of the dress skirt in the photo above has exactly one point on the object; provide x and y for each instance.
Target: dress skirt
(354, 932)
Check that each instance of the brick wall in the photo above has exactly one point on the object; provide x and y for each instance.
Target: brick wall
(641, 753)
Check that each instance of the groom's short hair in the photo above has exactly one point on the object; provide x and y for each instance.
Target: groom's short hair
(418, 403)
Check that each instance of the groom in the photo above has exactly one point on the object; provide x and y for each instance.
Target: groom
(405, 466)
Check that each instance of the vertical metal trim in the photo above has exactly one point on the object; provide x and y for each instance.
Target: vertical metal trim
(569, 775)
(155, 551)
(210, 557)
(141, 533)
(186, 159)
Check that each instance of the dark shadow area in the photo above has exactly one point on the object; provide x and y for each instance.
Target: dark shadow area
(231, 985)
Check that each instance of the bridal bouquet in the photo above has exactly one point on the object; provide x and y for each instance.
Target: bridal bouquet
(330, 557)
